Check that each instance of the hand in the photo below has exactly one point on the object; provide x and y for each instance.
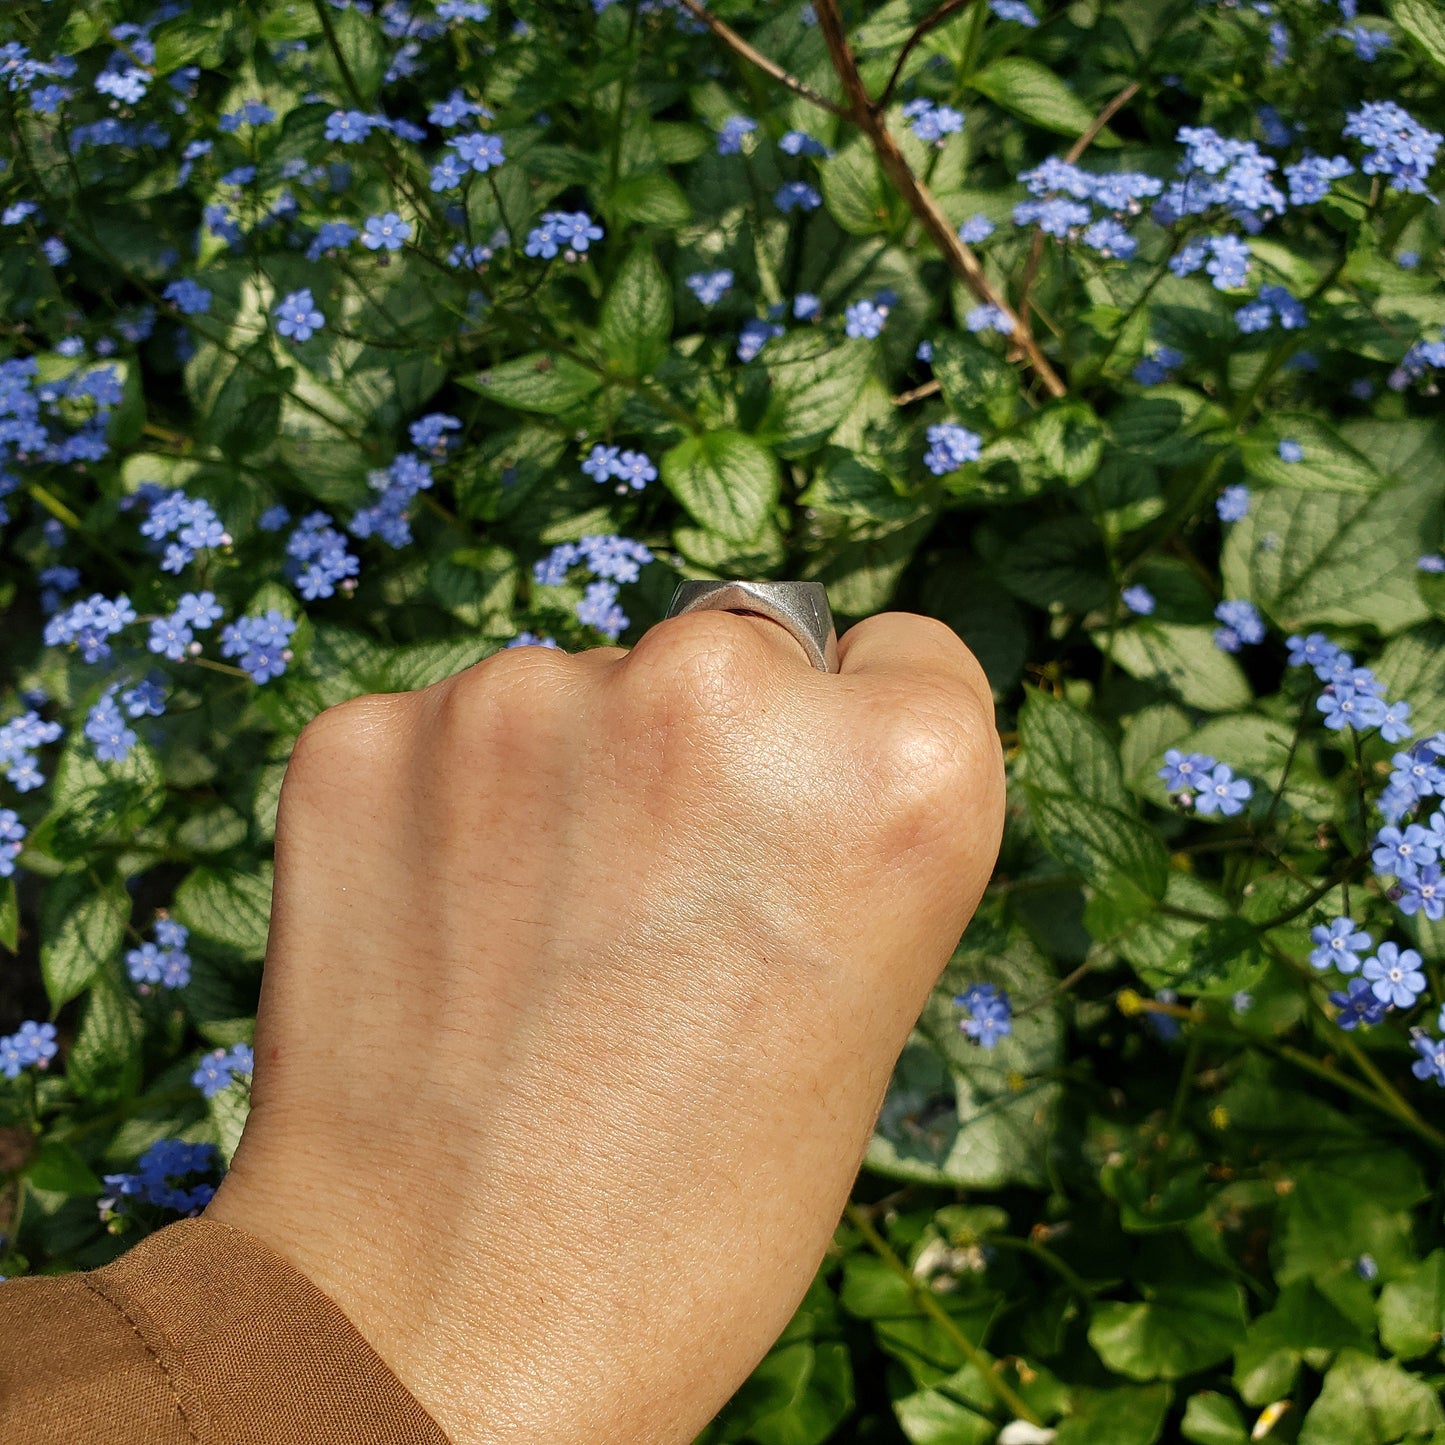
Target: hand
(586, 977)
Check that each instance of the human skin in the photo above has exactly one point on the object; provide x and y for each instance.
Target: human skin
(585, 980)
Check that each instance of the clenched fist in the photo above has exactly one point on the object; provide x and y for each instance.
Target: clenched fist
(585, 980)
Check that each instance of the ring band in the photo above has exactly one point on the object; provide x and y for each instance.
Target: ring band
(801, 607)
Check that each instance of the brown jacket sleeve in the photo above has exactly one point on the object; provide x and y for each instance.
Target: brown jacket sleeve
(198, 1335)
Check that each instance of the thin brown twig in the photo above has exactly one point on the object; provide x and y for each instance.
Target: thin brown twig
(960, 258)
(736, 43)
(918, 393)
(1036, 247)
(929, 22)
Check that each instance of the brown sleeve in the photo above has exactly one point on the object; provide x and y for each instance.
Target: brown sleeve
(198, 1335)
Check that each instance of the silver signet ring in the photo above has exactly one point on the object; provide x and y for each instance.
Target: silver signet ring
(801, 607)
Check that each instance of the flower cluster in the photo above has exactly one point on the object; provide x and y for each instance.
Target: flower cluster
(1400, 147)
(1198, 781)
(12, 838)
(260, 644)
(710, 286)
(173, 636)
(86, 625)
(951, 446)
(1065, 195)
(731, 132)
(754, 335)
(571, 232)
(1353, 696)
(221, 1067)
(865, 319)
(1272, 304)
(297, 316)
(162, 959)
(32, 1044)
(1243, 626)
(931, 122)
(1158, 366)
(633, 469)
(990, 1014)
(152, 1182)
(611, 560)
(20, 740)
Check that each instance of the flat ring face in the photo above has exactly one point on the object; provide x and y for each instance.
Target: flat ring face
(801, 607)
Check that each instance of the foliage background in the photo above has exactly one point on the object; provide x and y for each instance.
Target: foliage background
(1178, 1200)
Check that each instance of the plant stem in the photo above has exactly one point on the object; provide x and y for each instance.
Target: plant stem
(959, 257)
(928, 1303)
(929, 22)
(736, 43)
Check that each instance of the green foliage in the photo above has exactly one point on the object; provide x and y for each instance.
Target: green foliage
(1177, 1200)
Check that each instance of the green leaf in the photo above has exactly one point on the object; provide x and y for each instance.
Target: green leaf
(197, 42)
(425, 663)
(57, 1167)
(1069, 438)
(957, 591)
(228, 1111)
(96, 805)
(1080, 808)
(1370, 1402)
(1178, 1327)
(1213, 1419)
(727, 481)
(1146, 1204)
(652, 199)
(228, 907)
(1150, 939)
(1065, 751)
(1329, 461)
(854, 192)
(1343, 1206)
(815, 384)
(82, 927)
(861, 576)
(1422, 21)
(1182, 660)
(543, 382)
(1413, 666)
(982, 390)
(636, 323)
(803, 1389)
(764, 556)
(1111, 851)
(959, 1114)
(846, 485)
(1034, 92)
(872, 1291)
(1120, 1417)
(1056, 563)
(1303, 1322)
(1317, 557)
(1167, 426)
(365, 51)
(929, 1417)
(1412, 1309)
(9, 916)
(104, 1062)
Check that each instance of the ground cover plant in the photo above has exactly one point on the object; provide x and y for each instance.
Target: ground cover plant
(344, 343)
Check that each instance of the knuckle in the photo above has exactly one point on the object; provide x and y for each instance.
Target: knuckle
(501, 695)
(360, 726)
(938, 766)
(698, 667)
(343, 745)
